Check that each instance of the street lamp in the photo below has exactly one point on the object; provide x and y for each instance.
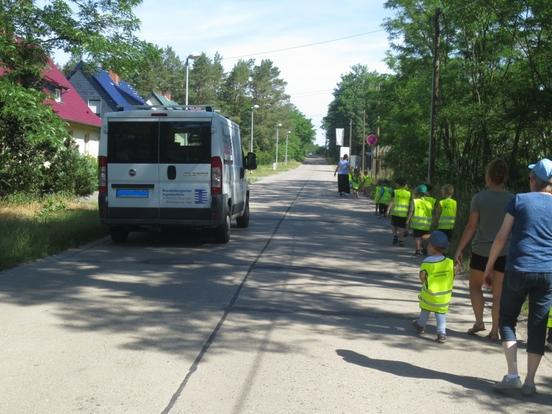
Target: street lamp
(251, 140)
(193, 57)
(287, 138)
(278, 125)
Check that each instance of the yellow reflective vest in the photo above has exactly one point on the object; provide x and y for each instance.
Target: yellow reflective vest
(401, 202)
(422, 215)
(550, 319)
(437, 289)
(377, 194)
(386, 196)
(448, 214)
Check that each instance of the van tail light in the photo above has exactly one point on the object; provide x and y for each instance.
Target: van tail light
(102, 180)
(216, 175)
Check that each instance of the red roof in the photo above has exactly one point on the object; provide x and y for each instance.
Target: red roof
(71, 108)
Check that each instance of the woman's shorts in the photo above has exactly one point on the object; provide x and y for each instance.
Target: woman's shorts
(480, 262)
(419, 233)
(399, 222)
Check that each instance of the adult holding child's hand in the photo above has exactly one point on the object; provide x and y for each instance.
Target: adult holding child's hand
(528, 274)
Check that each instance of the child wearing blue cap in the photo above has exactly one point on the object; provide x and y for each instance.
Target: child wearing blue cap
(437, 277)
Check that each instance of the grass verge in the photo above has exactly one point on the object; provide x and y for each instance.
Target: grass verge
(266, 170)
(35, 228)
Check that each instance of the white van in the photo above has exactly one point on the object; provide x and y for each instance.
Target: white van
(164, 167)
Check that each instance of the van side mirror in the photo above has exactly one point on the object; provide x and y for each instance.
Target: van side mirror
(250, 161)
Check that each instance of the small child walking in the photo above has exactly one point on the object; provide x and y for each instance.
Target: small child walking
(437, 277)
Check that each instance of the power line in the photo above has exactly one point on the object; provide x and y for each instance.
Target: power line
(305, 45)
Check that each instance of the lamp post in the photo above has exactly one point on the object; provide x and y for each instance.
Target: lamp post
(251, 140)
(278, 125)
(187, 72)
(287, 138)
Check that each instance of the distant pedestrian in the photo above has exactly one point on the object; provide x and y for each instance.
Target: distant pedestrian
(445, 211)
(399, 209)
(528, 274)
(437, 277)
(343, 170)
(356, 181)
(486, 214)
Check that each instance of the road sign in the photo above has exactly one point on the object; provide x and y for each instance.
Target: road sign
(372, 139)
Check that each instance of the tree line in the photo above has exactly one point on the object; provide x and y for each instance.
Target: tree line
(36, 153)
(493, 96)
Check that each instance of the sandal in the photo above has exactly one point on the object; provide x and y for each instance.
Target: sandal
(476, 328)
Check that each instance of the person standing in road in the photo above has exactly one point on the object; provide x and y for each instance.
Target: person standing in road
(343, 170)
(528, 273)
(486, 213)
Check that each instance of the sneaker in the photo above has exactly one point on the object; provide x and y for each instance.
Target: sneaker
(527, 390)
(395, 240)
(508, 386)
(417, 253)
(419, 329)
(401, 243)
(441, 338)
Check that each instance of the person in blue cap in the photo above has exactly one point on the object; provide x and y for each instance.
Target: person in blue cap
(437, 277)
(528, 273)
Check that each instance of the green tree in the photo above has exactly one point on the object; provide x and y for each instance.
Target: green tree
(32, 136)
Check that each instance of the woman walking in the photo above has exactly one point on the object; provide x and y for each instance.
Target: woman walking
(528, 273)
(486, 215)
(342, 170)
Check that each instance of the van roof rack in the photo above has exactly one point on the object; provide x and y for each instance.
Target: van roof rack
(196, 108)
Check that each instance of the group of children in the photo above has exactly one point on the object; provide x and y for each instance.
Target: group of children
(420, 212)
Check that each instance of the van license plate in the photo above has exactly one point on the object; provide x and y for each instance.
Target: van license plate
(132, 193)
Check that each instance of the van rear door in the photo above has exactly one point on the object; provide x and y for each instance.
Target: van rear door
(132, 168)
(185, 169)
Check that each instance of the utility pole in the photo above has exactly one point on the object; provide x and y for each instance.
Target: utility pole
(363, 138)
(434, 95)
(350, 137)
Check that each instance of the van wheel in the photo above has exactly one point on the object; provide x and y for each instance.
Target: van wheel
(243, 220)
(222, 232)
(118, 234)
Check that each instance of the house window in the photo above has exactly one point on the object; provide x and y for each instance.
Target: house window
(57, 95)
(94, 105)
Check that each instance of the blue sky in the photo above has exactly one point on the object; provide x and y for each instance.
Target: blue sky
(245, 27)
(237, 28)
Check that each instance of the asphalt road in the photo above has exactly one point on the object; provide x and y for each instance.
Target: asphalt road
(306, 311)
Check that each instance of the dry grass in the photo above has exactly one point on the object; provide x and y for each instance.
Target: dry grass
(34, 228)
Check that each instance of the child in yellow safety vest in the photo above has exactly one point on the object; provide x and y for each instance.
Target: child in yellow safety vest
(366, 183)
(421, 218)
(356, 181)
(437, 277)
(399, 209)
(445, 213)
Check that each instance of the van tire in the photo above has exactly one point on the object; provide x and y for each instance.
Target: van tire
(222, 232)
(118, 234)
(243, 220)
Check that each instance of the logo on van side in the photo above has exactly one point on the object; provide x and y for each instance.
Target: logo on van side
(200, 196)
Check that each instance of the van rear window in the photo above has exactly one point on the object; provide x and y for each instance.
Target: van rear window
(185, 143)
(132, 142)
